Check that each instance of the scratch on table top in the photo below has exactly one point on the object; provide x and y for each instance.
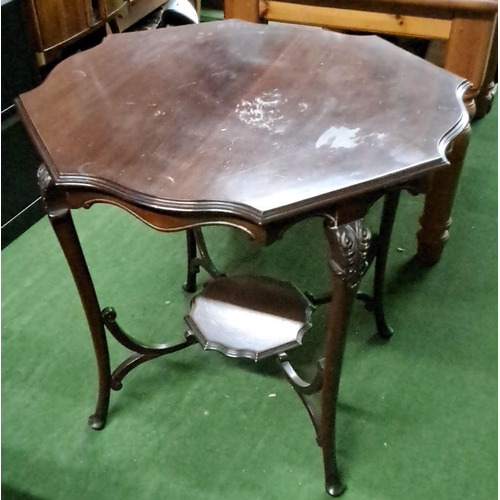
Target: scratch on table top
(259, 166)
(249, 169)
(187, 85)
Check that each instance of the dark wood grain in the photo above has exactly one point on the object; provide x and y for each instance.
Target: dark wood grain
(244, 119)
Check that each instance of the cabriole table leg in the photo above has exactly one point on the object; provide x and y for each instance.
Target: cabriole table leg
(349, 245)
(64, 228)
(388, 217)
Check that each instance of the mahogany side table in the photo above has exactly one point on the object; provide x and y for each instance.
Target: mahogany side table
(249, 126)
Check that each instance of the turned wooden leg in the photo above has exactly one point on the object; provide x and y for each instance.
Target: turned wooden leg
(246, 10)
(436, 218)
(62, 222)
(468, 51)
(484, 100)
(349, 246)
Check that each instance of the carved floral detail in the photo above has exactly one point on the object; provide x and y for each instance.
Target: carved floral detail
(349, 249)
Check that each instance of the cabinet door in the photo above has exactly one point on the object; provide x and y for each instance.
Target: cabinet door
(56, 22)
(113, 6)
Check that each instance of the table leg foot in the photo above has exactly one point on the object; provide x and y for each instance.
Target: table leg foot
(429, 252)
(334, 486)
(97, 422)
(384, 331)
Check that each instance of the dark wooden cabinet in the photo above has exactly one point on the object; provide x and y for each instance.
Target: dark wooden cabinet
(21, 205)
(56, 23)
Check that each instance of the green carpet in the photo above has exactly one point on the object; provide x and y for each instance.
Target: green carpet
(417, 415)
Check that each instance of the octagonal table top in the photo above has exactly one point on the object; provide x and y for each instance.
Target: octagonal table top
(257, 121)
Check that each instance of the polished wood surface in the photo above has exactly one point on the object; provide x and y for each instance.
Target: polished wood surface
(285, 118)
